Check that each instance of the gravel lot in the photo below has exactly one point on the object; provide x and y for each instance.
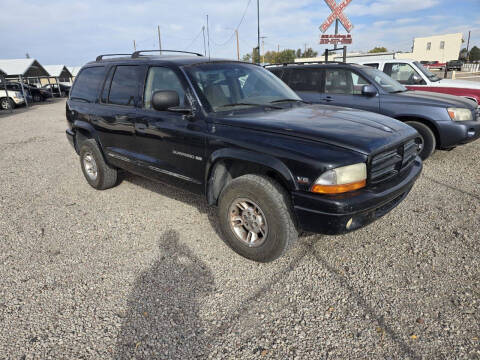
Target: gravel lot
(139, 271)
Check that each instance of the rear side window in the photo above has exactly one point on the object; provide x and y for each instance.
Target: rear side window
(87, 84)
(305, 79)
(277, 72)
(124, 88)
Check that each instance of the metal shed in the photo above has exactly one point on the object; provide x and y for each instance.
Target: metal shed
(59, 72)
(23, 70)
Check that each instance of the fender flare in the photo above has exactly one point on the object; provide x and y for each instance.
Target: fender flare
(84, 127)
(263, 160)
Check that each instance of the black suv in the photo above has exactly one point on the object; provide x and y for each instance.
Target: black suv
(443, 121)
(238, 135)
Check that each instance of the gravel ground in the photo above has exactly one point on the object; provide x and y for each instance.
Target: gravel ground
(139, 271)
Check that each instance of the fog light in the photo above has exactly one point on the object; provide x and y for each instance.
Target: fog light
(349, 223)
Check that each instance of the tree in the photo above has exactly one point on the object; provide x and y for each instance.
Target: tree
(254, 54)
(286, 56)
(309, 53)
(474, 54)
(463, 54)
(378, 49)
(298, 54)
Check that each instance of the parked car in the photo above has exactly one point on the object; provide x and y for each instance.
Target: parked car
(239, 136)
(10, 99)
(435, 65)
(416, 77)
(454, 65)
(65, 89)
(34, 94)
(443, 121)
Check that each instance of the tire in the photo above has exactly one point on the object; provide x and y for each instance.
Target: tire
(428, 142)
(6, 104)
(272, 209)
(97, 172)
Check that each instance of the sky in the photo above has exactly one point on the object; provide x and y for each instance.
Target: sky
(72, 32)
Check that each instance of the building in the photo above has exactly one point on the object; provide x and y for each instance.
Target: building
(441, 48)
(59, 72)
(28, 69)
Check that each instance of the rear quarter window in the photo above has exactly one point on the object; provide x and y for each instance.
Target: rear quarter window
(87, 84)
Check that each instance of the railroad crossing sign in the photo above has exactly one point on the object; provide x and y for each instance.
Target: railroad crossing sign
(337, 13)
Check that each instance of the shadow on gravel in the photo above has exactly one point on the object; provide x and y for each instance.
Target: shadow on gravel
(162, 319)
(404, 348)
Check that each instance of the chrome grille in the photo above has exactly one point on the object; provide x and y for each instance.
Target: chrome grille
(389, 163)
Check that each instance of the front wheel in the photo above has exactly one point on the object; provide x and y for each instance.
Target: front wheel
(6, 104)
(427, 142)
(98, 173)
(256, 218)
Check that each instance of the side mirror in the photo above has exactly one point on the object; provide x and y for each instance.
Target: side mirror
(165, 99)
(369, 90)
(417, 79)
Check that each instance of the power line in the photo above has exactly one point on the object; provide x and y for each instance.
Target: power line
(238, 26)
(194, 39)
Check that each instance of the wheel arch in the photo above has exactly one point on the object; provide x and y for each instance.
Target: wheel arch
(83, 131)
(425, 122)
(227, 164)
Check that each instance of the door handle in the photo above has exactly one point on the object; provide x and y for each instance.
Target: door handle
(328, 99)
(140, 126)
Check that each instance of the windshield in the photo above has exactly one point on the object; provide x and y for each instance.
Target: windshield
(384, 81)
(426, 72)
(226, 86)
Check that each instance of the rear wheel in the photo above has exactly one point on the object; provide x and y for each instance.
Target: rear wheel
(427, 142)
(256, 218)
(97, 172)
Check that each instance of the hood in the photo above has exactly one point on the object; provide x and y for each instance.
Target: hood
(357, 130)
(464, 84)
(437, 99)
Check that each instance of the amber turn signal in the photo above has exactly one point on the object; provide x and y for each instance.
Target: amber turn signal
(338, 189)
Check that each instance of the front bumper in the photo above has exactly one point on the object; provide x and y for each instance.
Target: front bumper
(331, 214)
(453, 133)
(19, 101)
(71, 137)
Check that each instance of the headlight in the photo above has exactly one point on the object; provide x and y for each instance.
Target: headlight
(460, 114)
(341, 180)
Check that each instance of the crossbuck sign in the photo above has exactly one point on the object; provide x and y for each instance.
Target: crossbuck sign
(337, 13)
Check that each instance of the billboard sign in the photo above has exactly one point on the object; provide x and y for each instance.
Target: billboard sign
(336, 39)
(337, 13)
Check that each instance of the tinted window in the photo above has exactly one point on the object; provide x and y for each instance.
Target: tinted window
(106, 86)
(161, 78)
(124, 88)
(342, 81)
(373, 65)
(277, 72)
(305, 79)
(87, 83)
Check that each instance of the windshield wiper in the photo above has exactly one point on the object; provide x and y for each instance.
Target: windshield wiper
(285, 100)
(248, 104)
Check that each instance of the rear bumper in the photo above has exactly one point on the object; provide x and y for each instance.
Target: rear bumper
(331, 214)
(453, 133)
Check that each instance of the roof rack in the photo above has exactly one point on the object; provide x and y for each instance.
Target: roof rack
(305, 63)
(137, 54)
(100, 57)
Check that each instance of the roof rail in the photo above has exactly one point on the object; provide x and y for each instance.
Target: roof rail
(100, 57)
(136, 54)
(305, 63)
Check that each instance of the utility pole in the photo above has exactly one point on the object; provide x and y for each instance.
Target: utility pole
(208, 37)
(468, 45)
(204, 44)
(134, 46)
(336, 32)
(263, 49)
(159, 40)
(238, 46)
(258, 30)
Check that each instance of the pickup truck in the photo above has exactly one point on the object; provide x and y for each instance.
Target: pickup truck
(236, 134)
(10, 99)
(415, 76)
